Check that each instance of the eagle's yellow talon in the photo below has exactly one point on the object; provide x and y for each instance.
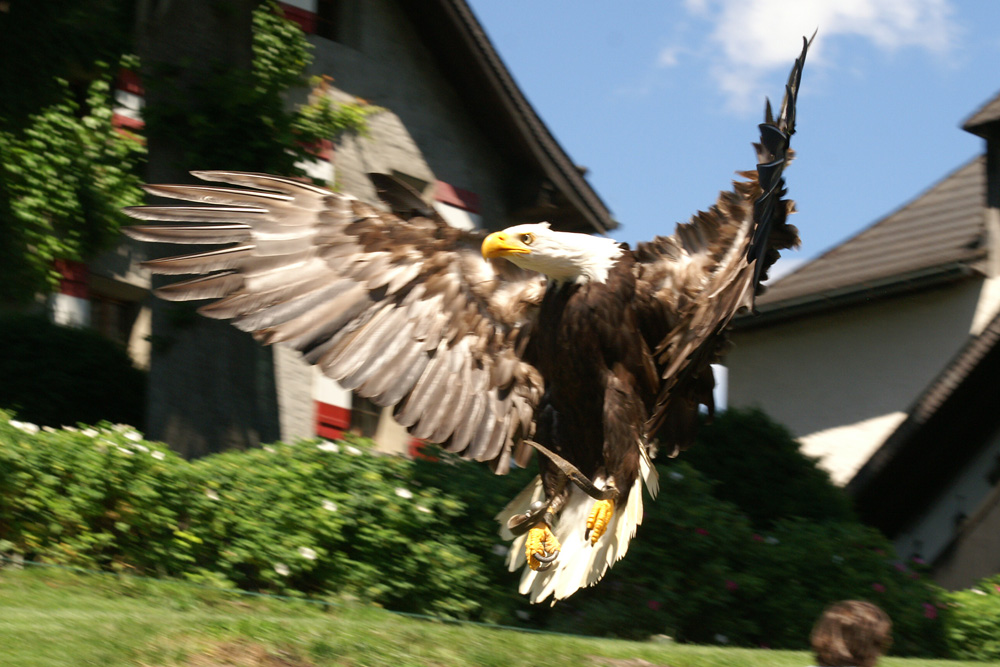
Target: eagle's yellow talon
(541, 547)
(599, 518)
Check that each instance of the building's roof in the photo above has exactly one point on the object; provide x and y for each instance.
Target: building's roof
(987, 114)
(940, 231)
(944, 428)
(465, 54)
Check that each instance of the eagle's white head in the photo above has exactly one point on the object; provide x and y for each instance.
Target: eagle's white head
(562, 256)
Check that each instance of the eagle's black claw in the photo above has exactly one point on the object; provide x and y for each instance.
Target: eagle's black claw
(546, 557)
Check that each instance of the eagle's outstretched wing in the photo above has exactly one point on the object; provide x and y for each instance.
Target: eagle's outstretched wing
(404, 312)
(692, 283)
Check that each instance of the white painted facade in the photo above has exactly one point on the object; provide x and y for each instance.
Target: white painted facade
(843, 380)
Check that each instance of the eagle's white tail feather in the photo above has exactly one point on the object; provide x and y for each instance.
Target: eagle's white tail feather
(579, 563)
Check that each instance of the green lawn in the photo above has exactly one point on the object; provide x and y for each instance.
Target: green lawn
(52, 618)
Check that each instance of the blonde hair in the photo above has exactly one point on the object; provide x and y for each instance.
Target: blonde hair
(851, 633)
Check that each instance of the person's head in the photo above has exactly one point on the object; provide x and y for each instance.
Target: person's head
(851, 633)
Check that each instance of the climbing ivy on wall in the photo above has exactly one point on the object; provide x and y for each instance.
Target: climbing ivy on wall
(241, 120)
(66, 171)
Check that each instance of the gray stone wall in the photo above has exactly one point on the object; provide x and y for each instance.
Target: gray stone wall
(426, 131)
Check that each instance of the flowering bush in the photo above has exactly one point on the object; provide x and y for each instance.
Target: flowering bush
(94, 496)
(325, 519)
(315, 518)
(972, 619)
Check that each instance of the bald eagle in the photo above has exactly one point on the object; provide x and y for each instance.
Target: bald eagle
(497, 345)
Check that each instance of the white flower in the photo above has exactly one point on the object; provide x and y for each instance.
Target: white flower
(404, 493)
(158, 455)
(70, 429)
(329, 506)
(354, 451)
(676, 476)
(134, 436)
(270, 449)
(124, 450)
(307, 553)
(977, 591)
(212, 495)
(139, 447)
(282, 569)
(838, 559)
(328, 447)
(421, 508)
(49, 429)
(27, 427)
(770, 539)
(89, 432)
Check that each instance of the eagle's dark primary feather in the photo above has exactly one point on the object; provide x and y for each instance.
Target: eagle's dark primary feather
(569, 340)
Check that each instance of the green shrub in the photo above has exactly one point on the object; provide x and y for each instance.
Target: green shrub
(678, 574)
(331, 519)
(697, 571)
(56, 375)
(96, 497)
(972, 619)
(311, 518)
(758, 466)
(484, 494)
(328, 518)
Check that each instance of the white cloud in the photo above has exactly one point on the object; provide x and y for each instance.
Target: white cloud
(754, 37)
(668, 56)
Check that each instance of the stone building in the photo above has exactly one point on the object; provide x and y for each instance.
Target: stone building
(455, 126)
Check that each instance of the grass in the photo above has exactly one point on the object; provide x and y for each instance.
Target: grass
(55, 618)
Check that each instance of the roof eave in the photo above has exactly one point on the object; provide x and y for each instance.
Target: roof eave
(768, 314)
(546, 151)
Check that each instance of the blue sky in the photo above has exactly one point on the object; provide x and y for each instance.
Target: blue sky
(660, 100)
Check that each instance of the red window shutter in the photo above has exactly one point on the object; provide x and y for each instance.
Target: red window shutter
(331, 420)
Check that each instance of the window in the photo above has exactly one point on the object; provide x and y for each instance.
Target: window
(339, 21)
(113, 318)
(365, 416)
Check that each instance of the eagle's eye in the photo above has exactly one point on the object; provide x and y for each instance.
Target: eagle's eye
(527, 239)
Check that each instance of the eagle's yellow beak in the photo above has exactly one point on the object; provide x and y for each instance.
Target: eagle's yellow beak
(501, 244)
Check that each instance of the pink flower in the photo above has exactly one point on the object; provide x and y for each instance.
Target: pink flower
(701, 531)
(880, 588)
(918, 560)
(731, 585)
(996, 587)
(654, 605)
(930, 611)
(899, 566)
(757, 538)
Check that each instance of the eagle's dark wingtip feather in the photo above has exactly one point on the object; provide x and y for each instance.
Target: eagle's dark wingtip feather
(772, 154)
